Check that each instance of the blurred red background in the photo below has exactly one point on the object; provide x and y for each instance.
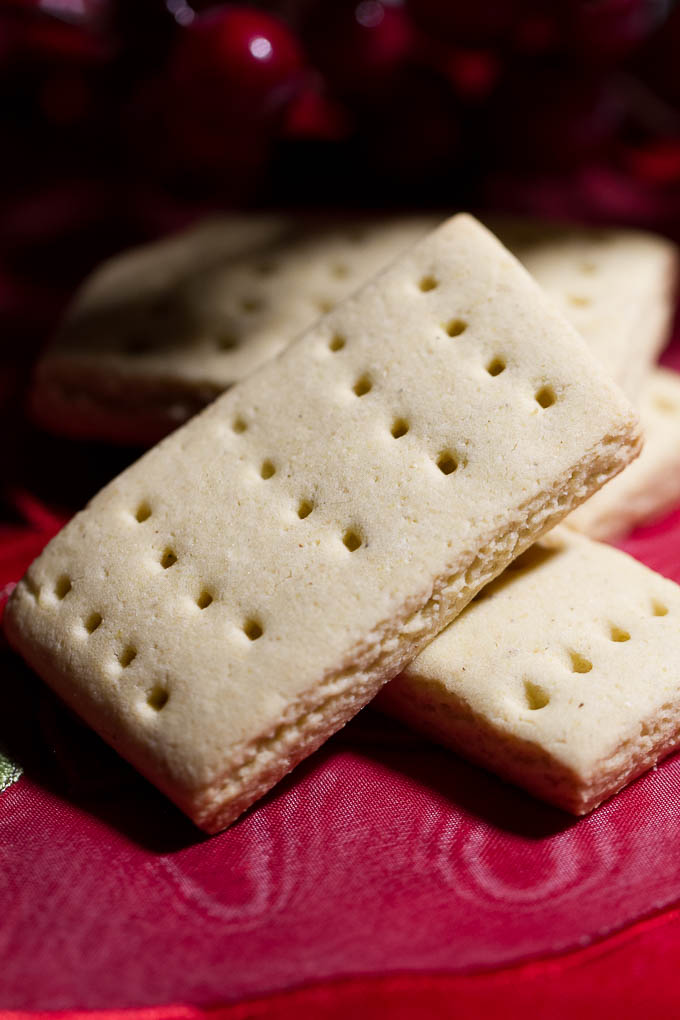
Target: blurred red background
(122, 119)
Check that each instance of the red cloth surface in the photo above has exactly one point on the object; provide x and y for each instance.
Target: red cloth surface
(636, 970)
(381, 856)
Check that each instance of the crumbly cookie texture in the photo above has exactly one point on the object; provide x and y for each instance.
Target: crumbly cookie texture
(650, 486)
(229, 601)
(157, 333)
(561, 676)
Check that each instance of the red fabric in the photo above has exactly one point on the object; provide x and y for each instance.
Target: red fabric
(381, 856)
(636, 970)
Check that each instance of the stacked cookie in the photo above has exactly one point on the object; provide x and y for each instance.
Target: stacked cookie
(232, 599)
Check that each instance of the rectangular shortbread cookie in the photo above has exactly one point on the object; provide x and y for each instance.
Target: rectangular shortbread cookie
(617, 287)
(232, 599)
(157, 333)
(561, 676)
(650, 486)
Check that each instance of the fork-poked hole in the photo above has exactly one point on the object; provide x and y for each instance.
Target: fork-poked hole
(545, 396)
(143, 512)
(158, 697)
(454, 327)
(92, 622)
(447, 462)
(536, 696)
(399, 428)
(363, 385)
(351, 540)
(579, 663)
(227, 341)
(169, 558)
(252, 304)
(253, 629)
(127, 656)
(305, 507)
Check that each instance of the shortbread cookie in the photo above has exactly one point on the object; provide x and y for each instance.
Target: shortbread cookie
(561, 676)
(651, 486)
(616, 287)
(158, 333)
(233, 598)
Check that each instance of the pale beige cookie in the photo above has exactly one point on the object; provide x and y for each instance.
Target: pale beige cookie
(617, 287)
(561, 676)
(233, 598)
(650, 487)
(158, 333)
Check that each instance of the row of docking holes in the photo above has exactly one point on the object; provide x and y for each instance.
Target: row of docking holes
(157, 697)
(537, 697)
(228, 339)
(544, 396)
(447, 460)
